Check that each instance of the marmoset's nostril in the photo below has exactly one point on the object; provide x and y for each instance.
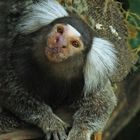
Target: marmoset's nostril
(57, 39)
(63, 46)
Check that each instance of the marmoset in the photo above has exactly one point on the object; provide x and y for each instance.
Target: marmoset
(56, 74)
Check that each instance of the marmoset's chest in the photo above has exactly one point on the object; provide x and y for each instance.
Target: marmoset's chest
(63, 93)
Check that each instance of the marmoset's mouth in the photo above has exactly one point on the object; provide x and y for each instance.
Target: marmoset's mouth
(55, 54)
(54, 50)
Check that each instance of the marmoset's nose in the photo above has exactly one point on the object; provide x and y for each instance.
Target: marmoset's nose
(60, 41)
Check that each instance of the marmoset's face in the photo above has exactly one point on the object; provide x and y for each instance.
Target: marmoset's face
(63, 42)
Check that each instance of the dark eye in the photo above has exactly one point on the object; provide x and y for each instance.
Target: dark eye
(75, 43)
(60, 29)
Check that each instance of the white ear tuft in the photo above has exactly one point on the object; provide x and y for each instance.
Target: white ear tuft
(41, 14)
(100, 65)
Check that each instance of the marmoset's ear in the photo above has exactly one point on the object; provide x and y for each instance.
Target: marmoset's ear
(100, 64)
(41, 14)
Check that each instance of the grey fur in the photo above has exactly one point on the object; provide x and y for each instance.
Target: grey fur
(90, 112)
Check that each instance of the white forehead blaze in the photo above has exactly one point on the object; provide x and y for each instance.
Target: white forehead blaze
(72, 31)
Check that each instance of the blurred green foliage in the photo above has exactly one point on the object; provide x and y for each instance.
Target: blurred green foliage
(134, 6)
(133, 18)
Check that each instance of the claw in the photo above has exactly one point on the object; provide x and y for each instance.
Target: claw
(48, 136)
(62, 135)
(55, 136)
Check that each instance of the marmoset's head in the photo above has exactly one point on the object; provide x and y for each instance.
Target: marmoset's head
(68, 38)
